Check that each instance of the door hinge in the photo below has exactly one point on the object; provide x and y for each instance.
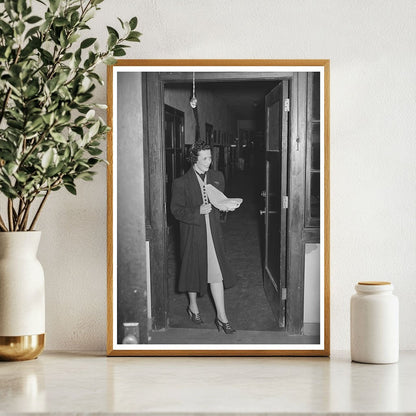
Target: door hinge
(284, 293)
(287, 105)
(285, 202)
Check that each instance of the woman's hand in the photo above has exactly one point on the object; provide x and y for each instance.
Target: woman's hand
(205, 209)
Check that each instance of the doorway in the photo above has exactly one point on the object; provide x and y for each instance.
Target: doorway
(155, 86)
(247, 115)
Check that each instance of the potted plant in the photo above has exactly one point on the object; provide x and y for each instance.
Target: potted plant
(50, 137)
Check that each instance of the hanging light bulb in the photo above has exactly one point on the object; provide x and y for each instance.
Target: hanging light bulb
(193, 102)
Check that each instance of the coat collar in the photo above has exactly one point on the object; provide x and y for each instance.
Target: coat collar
(191, 176)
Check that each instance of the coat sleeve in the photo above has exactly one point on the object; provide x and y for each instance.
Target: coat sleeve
(179, 208)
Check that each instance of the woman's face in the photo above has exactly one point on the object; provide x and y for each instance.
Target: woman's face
(204, 160)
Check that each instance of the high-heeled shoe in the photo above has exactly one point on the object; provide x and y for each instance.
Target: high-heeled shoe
(227, 328)
(194, 317)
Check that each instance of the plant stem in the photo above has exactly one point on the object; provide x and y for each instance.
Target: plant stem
(2, 224)
(26, 216)
(10, 213)
(20, 213)
(38, 211)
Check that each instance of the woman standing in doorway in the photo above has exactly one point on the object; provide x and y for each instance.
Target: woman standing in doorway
(202, 246)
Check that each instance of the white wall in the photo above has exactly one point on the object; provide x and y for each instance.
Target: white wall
(373, 145)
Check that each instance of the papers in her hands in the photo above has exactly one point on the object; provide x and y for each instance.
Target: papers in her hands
(220, 201)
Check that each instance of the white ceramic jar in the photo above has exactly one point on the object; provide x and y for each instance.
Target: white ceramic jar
(374, 323)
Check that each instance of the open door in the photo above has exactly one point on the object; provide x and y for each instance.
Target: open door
(276, 199)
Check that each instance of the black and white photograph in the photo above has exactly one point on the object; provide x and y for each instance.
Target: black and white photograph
(218, 213)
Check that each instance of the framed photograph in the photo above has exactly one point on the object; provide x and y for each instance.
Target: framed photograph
(214, 252)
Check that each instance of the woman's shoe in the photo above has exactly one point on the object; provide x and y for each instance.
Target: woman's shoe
(228, 329)
(194, 317)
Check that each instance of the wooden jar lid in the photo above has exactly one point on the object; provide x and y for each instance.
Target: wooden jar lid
(374, 283)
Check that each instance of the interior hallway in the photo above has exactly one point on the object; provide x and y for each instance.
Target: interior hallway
(246, 304)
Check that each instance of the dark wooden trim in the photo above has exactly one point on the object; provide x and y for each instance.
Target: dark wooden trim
(156, 185)
(295, 271)
(146, 153)
(309, 220)
(225, 77)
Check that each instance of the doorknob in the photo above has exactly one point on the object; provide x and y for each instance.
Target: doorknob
(263, 194)
(270, 212)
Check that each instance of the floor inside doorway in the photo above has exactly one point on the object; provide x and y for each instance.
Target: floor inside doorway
(246, 304)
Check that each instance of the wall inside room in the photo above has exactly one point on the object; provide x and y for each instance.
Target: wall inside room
(312, 284)
(372, 152)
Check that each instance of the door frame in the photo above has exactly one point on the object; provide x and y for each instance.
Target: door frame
(153, 111)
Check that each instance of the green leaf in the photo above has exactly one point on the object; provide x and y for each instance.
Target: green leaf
(20, 28)
(90, 114)
(121, 22)
(73, 38)
(74, 18)
(52, 171)
(111, 30)
(94, 151)
(21, 5)
(94, 129)
(133, 38)
(54, 4)
(62, 39)
(47, 158)
(48, 118)
(61, 21)
(35, 125)
(8, 191)
(110, 61)
(133, 23)
(88, 16)
(134, 34)
(34, 19)
(67, 153)
(70, 188)
(21, 176)
(11, 168)
(58, 137)
(7, 30)
(10, 8)
(119, 52)
(87, 42)
(86, 176)
(112, 41)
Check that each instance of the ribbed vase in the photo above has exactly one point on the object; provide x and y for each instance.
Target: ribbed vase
(22, 296)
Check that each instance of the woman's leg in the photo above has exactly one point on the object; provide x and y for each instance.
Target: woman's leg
(217, 290)
(193, 306)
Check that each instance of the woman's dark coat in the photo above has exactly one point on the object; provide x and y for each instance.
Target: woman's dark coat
(185, 205)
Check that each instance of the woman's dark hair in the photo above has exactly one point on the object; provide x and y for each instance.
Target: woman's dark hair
(195, 149)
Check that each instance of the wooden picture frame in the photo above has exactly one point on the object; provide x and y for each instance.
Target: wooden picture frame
(294, 99)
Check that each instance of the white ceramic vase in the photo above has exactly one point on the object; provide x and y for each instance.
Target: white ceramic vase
(22, 296)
